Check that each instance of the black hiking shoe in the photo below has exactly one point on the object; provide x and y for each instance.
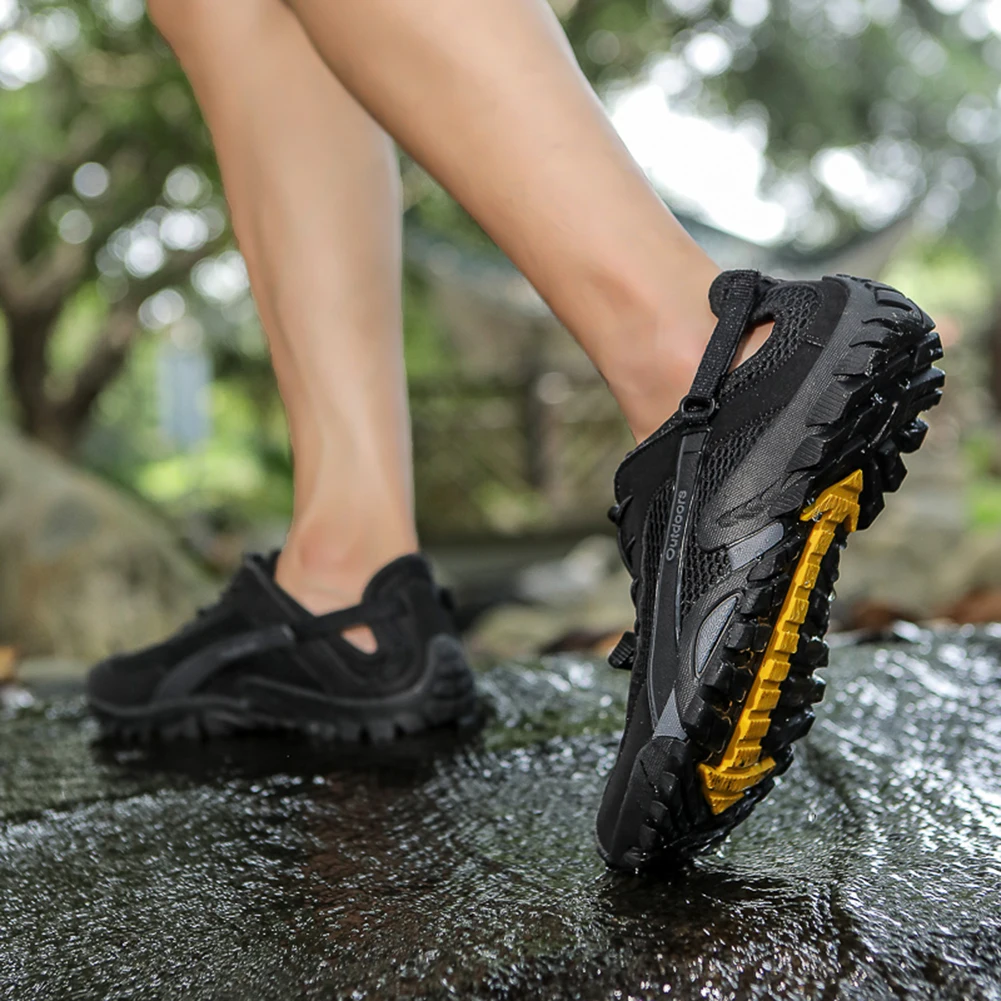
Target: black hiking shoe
(731, 520)
(258, 660)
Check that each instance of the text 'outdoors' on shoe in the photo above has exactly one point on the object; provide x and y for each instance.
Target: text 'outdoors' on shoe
(731, 518)
(259, 660)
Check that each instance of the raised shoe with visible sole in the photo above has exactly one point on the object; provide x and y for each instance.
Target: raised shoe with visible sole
(258, 660)
(731, 518)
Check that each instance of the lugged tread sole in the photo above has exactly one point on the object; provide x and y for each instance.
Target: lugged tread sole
(744, 763)
(678, 799)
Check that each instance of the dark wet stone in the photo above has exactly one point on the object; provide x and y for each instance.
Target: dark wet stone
(466, 869)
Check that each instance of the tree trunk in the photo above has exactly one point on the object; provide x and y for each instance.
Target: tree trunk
(60, 421)
(28, 336)
(38, 415)
(994, 354)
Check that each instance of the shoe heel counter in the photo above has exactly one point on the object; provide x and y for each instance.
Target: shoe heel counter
(444, 665)
(432, 610)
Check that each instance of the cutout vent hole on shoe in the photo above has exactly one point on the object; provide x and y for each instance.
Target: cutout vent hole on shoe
(361, 637)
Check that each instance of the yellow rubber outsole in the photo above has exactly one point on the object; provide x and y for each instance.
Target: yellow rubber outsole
(744, 763)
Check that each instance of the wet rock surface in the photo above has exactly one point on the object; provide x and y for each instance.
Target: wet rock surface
(465, 868)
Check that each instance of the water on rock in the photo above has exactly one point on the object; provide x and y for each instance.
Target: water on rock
(465, 868)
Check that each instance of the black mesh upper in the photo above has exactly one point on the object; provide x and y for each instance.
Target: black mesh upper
(653, 540)
(702, 569)
(792, 306)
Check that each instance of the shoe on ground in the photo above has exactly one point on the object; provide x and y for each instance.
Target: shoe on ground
(259, 660)
(731, 518)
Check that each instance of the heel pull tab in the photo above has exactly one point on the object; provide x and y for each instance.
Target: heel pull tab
(734, 296)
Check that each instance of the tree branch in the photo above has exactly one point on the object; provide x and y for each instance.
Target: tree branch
(39, 180)
(60, 271)
(26, 198)
(112, 348)
(105, 362)
(60, 274)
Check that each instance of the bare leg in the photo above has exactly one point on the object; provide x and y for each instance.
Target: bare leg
(313, 186)
(488, 97)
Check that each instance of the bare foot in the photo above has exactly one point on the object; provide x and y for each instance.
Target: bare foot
(335, 589)
(650, 382)
(752, 343)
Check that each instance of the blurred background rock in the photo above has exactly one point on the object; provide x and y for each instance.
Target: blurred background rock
(145, 446)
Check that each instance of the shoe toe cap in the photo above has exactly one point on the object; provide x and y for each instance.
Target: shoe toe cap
(119, 681)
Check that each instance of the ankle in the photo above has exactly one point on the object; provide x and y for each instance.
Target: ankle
(654, 362)
(328, 569)
(656, 356)
(325, 575)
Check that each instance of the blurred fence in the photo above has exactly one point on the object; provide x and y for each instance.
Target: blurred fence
(535, 456)
(526, 439)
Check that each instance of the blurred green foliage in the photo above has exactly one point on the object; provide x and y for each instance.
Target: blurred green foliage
(906, 88)
(96, 117)
(113, 232)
